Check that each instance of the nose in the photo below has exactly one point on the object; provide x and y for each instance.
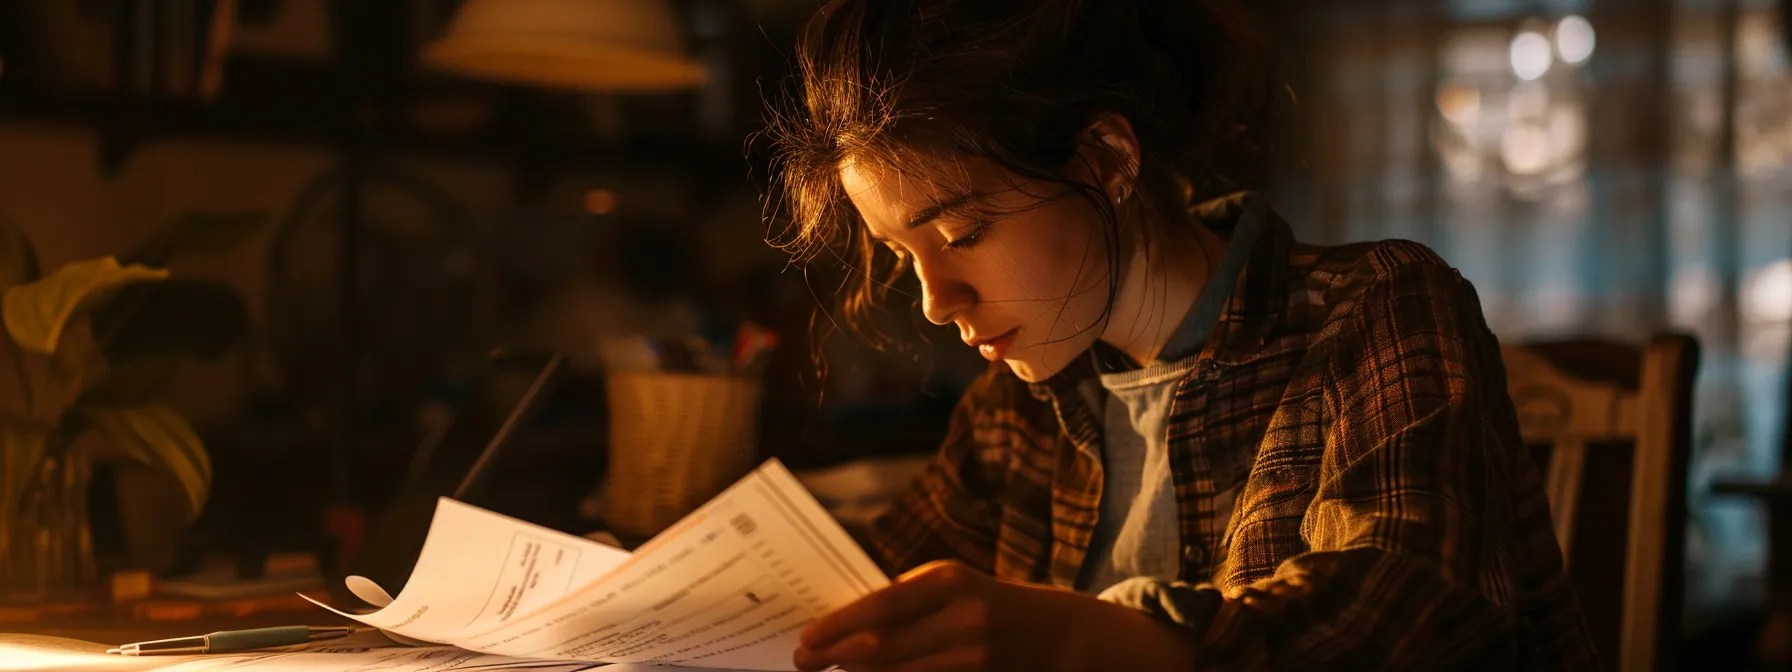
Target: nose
(943, 295)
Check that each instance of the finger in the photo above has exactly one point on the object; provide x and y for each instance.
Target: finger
(915, 594)
(812, 660)
(960, 659)
(959, 623)
(890, 607)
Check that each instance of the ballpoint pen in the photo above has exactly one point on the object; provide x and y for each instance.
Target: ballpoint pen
(228, 641)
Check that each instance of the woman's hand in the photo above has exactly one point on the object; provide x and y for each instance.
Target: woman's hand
(946, 617)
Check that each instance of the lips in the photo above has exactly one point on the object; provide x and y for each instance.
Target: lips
(993, 349)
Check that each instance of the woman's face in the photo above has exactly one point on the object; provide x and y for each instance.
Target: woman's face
(1019, 266)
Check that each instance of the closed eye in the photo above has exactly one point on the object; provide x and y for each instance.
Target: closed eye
(970, 239)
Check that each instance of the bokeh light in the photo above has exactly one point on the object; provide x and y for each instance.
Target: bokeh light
(600, 201)
(1574, 39)
(1692, 295)
(1527, 100)
(1459, 103)
(1525, 149)
(1767, 293)
(1531, 55)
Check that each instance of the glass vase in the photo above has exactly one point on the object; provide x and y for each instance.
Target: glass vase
(46, 545)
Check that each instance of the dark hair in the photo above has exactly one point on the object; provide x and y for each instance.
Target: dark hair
(1015, 82)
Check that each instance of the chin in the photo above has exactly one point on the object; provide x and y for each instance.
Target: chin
(1038, 362)
(1026, 371)
(1032, 369)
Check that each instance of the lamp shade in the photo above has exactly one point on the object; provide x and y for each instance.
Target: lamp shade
(591, 45)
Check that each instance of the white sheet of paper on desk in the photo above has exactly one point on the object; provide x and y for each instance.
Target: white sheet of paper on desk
(729, 587)
(368, 652)
(478, 569)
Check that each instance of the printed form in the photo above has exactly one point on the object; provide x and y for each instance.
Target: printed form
(478, 569)
(731, 586)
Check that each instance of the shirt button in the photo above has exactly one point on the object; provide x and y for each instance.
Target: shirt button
(1194, 555)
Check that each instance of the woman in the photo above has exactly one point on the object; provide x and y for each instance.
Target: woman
(1201, 443)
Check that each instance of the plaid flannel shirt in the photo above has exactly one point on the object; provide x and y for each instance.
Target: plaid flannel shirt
(1353, 400)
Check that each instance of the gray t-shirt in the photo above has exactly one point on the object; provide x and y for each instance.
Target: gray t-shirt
(1137, 534)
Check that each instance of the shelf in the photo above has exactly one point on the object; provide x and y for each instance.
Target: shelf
(221, 120)
(126, 124)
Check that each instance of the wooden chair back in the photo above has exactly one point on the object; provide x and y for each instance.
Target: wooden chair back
(1611, 426)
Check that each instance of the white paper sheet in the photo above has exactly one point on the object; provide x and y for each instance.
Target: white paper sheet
(365, 651)
(369, 652)
(730, 586)
(479, 569)
(360, 652)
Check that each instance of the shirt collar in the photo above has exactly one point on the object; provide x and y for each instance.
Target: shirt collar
(1253, 307)
(1259, 300)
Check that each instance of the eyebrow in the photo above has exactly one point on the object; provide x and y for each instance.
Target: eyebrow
(933, 212)
(930, 213)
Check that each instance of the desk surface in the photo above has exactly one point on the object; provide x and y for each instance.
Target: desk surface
(49, 652)
(161, 618)
(113, 630)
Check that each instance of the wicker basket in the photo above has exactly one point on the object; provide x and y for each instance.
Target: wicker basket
(676, 440)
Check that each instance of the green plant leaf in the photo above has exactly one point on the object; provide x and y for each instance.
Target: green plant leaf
(132, 381)
(36, 313)
(18, 260)
(198, 233)
(74, 352)
(199, 318)
(18, 265)
(159, 437)
(22, 448)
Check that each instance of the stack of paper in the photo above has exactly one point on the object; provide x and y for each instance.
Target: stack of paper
(729, 587)
(362, 652)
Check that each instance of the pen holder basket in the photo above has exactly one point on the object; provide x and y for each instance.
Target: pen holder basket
(676, 440)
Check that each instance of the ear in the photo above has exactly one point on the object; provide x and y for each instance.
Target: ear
(1109, 148)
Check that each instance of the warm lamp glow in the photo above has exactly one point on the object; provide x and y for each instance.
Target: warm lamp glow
(1460, 103)
(589, 45)
(36, 658)
(600, 201)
